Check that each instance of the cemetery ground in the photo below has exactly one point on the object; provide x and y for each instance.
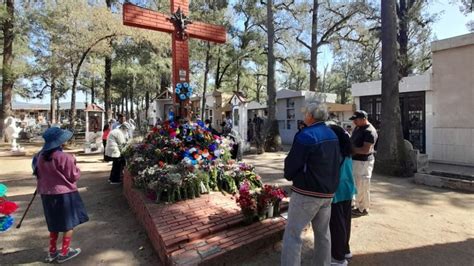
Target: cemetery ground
(408, 224)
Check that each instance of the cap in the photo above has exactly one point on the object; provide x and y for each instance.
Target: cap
(359, 114)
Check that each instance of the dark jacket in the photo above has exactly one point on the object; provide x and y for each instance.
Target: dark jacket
(314, 161)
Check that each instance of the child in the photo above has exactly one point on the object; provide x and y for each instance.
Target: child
(340, 223)
(57, 175)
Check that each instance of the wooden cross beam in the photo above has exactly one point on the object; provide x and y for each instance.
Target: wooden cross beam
(148, 19)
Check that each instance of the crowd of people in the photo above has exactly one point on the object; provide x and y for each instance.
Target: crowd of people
(330, 170)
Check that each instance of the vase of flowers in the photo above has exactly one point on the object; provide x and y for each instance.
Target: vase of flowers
(247, 202)
(278, 195)
(270, 212)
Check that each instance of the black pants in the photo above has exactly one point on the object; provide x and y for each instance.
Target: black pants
(104, 143)
(340, 226)
(117, 167)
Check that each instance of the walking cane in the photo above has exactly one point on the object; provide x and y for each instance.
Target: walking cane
(26, 211)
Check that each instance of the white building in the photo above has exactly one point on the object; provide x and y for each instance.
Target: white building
(436, 107)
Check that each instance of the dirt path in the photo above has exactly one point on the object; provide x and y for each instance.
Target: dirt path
(112, 236)
(409, 224)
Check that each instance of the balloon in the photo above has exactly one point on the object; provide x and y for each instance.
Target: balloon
(3, 190)
(8, 207)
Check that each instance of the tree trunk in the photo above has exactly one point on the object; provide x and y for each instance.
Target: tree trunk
(52, 116)
(58, 118)
(72, 111)
(218, 68)
(147, 104)
(204, 90)
(108, 78)
(238, 74)
(392, 157)
(107, 93)
(403, 19)
(127, 113)
(257, 94)
(313, 72)
(93, 91)
(132, 89)
(122, 104)
(8, 78)
(272, 139)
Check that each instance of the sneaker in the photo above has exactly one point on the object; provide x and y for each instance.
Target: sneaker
(357, 213)
(348, 256)
(339, 262)
(51, 257)
(73, 252)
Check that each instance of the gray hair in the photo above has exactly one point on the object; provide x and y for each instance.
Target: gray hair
(318, 110)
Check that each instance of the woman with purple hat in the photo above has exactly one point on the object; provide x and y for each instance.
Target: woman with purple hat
(57, 176)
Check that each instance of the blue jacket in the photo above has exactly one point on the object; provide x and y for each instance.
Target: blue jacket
(346, 189)
(314, 161)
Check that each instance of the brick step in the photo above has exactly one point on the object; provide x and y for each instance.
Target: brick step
(201, 230)
(229, 245)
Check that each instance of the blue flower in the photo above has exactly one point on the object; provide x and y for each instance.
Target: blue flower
(189, 138)
(190, 89)
(182, 97)
(212, 147)
(186, 85)
(189, 94)
(179, 85)
(178, 90)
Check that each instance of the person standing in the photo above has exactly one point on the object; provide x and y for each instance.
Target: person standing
(363, 140)
(105, 135)
(313, 166)
(208, 125)
(250, 130)
(117, 140)
(57, 175)
(340, 224)
(120, 121)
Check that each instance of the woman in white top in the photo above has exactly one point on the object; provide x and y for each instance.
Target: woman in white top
(115, 142)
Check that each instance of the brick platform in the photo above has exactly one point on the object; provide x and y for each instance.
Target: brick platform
(206, 230)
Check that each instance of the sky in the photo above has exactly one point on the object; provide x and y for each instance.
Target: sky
(451, 23)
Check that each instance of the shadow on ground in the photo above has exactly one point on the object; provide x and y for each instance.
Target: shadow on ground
(112, 235)
(426, 255)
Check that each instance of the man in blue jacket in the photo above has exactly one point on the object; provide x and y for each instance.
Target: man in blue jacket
(313, 165)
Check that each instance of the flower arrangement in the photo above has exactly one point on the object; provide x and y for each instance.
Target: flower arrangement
(179, 161)
(6, 209)
(256, 202)
(247, 200)
(184, 91)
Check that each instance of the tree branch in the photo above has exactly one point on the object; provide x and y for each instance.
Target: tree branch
(303, 42)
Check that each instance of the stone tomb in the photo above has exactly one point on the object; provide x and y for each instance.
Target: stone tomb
(208, 230)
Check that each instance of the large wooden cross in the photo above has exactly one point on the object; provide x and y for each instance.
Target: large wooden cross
(181, 29)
